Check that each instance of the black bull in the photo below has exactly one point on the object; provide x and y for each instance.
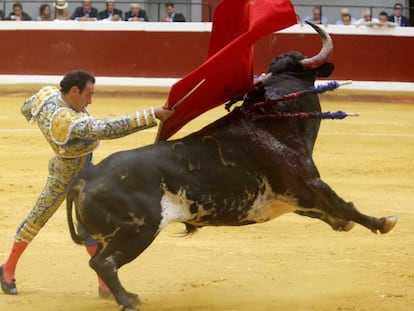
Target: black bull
(236, 171)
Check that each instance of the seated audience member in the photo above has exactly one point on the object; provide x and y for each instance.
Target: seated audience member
(110, 13)
(316, 16)
(18, 14)
(367, 19)
(346, 18)
(45, 13)
(172, 15)
(383, 20)
(136, 14)
(86, 12)
(1, 15)
(398, 18)
(60, 10)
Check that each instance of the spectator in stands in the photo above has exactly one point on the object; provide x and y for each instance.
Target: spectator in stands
(60, 10)
(346, 18)
(172, 15)
(316, 16)
(86, 12)
(45, 13)
(397, 17)
(18, 14)
(383, 20)
(111, 13)
(1, 15)
(367, 19)
(382, 17)
(136, 14)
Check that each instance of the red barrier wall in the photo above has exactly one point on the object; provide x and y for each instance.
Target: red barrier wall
(111, 53)
(152, 50)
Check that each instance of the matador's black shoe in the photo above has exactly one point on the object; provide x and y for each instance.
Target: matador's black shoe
(7, 288)
(108, 295)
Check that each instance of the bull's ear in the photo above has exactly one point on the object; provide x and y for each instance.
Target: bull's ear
(325, 70)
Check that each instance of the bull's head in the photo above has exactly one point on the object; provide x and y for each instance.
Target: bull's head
(295, 63)
(289, 73)
(292, 72)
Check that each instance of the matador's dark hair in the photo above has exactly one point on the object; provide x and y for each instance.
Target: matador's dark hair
(77, 78)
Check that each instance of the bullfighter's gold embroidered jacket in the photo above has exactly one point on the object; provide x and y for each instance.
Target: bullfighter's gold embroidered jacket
(73, 134)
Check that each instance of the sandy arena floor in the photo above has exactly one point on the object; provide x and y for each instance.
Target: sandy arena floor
(290, 263)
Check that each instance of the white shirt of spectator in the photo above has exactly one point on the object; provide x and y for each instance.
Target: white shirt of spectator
(398, 20)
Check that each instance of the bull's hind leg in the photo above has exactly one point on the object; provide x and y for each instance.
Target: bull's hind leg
(106, 267)
(335, 223)
(121, 249)
(340, 214)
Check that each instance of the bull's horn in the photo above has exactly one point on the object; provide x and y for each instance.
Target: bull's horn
(326, 51)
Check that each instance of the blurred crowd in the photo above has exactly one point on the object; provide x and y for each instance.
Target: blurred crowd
(384, 18)
(87, 12)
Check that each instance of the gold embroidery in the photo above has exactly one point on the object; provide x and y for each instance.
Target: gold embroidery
(61, 124)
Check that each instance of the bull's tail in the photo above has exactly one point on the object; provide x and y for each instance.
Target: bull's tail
(71, 196)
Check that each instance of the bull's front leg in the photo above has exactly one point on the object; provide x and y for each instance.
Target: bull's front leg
(341, 215)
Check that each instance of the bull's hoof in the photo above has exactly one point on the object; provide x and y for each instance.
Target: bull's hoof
(343, 225)
(388, 223)
(348, 226)
(134, 298)
(123, 308)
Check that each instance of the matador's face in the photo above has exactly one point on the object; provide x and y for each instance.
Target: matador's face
(79, 100)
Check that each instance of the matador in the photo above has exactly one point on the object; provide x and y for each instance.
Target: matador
(73, 134)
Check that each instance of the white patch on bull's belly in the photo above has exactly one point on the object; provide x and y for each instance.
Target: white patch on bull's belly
(269, 205)
(174, 208)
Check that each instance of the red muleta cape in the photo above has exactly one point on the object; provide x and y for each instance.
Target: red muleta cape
(228, 71)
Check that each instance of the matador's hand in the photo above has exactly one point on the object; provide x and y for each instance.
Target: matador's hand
(162, 113)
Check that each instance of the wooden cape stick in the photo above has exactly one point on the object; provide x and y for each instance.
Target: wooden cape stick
(177, 104)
